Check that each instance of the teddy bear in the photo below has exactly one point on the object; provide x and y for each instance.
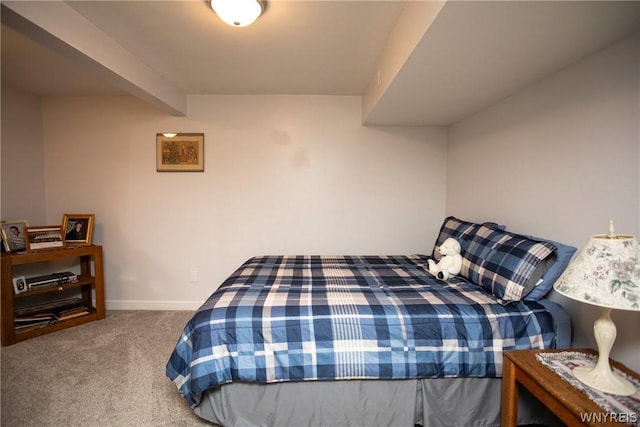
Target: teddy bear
(450, 261)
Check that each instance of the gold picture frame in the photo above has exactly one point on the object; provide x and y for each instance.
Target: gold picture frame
(13, 235)
(44, 237)
(180, 152)
(78, 229)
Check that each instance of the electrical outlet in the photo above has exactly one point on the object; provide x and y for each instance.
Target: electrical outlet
(194, 276)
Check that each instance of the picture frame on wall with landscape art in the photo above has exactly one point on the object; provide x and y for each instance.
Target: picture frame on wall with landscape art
(44, 237)
(14, 236)
(78, 229)
(180, 152)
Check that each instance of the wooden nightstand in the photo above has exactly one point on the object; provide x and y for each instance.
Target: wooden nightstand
(565, 401)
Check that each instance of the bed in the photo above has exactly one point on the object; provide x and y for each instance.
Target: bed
(372, 340)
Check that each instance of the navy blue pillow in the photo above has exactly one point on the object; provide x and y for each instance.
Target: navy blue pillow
(564, 255)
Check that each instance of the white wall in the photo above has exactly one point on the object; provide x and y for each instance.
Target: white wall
(23, 185)
(283, 175)
(559, 159)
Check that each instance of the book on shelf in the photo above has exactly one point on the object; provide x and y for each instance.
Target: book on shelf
(70, 313)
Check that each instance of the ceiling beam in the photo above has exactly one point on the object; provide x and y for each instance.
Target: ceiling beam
(412, 25)
(62, 29)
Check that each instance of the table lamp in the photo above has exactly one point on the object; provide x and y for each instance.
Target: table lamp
(605, 273)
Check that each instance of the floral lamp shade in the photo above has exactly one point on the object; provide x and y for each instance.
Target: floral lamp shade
(606, 273)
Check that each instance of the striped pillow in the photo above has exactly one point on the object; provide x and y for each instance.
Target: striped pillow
(462, 231)
(504, 263)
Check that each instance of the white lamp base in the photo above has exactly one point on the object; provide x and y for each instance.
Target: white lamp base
(602, 376)
(603, 380)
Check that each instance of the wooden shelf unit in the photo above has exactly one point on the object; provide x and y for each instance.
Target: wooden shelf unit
(89, 282)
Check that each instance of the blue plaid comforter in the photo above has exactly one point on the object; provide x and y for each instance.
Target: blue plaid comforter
(291, 318)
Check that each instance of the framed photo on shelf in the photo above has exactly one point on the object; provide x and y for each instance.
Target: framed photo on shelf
(78, 229)
(44, 237)
(13, 236)
(180, 152)
(20, 285)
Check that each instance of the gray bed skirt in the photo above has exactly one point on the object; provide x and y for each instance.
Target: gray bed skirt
(445, 402)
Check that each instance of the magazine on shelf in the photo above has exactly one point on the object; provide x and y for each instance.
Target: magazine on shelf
(35, 321)
(34, 318)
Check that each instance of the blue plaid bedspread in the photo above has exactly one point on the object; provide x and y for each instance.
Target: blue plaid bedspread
(291, 318)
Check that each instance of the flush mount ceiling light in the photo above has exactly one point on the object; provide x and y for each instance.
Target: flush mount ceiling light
(238, 13)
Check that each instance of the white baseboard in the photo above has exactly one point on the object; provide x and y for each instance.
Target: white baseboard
(152, 305)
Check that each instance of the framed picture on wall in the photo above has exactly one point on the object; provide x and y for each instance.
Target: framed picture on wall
(180, 152)
(14, 236)
(78, 228)
(44, 237)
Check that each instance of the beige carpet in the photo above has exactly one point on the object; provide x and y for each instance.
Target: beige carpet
(104, 373)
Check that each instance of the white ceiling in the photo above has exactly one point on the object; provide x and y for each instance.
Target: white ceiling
(471, 55)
